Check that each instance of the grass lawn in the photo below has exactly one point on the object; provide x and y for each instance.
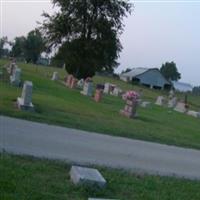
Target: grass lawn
(56, 104)
(27, 178)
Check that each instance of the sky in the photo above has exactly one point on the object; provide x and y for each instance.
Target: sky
(155, 32)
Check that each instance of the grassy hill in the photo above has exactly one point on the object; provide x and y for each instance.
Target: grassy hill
(56, 104)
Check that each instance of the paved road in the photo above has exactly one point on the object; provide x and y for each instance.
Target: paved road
(41, 140)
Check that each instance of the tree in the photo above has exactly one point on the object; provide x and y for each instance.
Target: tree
(3, 41)
(34, 46)
(86, 33)
(170, 71)
(18, 47)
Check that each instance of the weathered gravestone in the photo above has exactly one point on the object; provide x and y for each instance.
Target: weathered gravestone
(145, 104)
(80, 83)
(193, 113)
(11, 68)
(15, 78)
(86, 176)
(87, 89)
(98, 95)
(116, 92)
(181, 107)
(55, 76)
(172, 102)
(25, 101)
(106, 88)
(160, 101)
(69, 80)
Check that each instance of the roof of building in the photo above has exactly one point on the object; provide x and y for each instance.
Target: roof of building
(182, 87)
(135, 72)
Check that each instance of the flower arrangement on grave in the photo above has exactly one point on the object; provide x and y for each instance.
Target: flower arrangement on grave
(131, 95)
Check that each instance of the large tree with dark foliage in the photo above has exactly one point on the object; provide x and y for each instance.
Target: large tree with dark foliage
(86, 33)
(18, 47)
(34, 46)
(170, 71)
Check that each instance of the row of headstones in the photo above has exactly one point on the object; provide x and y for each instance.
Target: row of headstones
(25, 101)
(87, 86)
(178, 106)
(108, 88)
(87, 176)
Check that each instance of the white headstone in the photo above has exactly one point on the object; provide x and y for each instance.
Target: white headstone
(25, 101)
(116, 92)
(180, 107)
(15, 79)
(160, 101)
(193, 113)
(106, 88)
(55, 76)
(80, 83)
(88, 176)
(87, 89)
(172, 102)
(145, 104)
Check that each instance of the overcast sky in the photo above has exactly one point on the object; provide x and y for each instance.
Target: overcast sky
(156, 32)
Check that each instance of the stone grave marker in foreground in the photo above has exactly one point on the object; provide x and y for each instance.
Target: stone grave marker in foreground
(86, 176)
(25, 101)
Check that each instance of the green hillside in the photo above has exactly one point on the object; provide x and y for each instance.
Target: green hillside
(56, 104)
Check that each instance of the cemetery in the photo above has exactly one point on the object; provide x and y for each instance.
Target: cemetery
(86, 107)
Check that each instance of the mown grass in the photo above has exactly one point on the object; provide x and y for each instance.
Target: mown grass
(27, 178)
(56, 104)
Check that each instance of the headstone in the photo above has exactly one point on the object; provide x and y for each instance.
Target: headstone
(88, 176)
(116, 92)
(15, 79)
(25, 101)
(193, 113)
(130, 109)
(145, 104)
(87, 89)
(106, 88)
(55, 76)
(98, 95)
(180, 107)
(73, 83)
(69, 80)
(160, 101)
(11, 68)
(80, 83)
(172, 102)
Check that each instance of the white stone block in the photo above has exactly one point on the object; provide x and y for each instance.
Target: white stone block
(180, 107)
(88, 176)
(160, 101)
(55, 76)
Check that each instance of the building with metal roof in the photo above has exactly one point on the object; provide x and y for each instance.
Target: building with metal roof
(182, 87)
(150, 77)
